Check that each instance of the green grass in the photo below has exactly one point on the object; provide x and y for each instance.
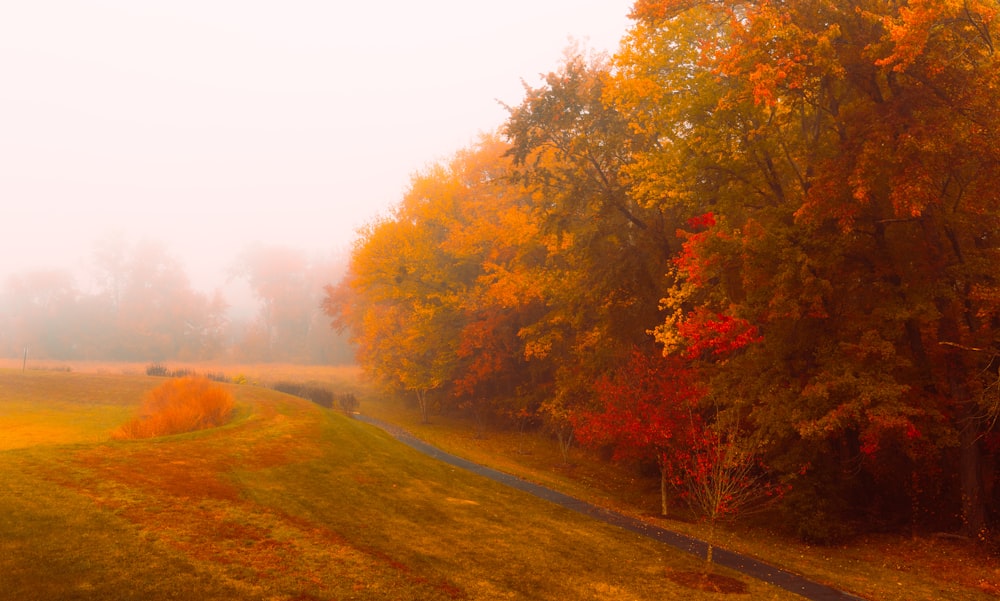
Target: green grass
(289, 501)
(37, 408)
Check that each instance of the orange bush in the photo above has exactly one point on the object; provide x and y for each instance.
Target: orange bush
(180, 405)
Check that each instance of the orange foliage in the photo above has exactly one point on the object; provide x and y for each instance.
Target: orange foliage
(179, 405)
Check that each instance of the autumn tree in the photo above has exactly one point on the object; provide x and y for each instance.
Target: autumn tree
(723, 477)
(848, 154)
(796, 198)
(491, 231)
(438, 296)
(573, 151)
(399, 297)
(647, 410)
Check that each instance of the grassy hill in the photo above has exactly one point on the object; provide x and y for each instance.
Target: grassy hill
(289, 501)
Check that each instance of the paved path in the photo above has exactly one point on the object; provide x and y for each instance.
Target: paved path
(747, 565)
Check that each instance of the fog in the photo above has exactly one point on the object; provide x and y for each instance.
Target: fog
(209, 125)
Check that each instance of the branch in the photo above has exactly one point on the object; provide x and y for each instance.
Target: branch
(962, 346)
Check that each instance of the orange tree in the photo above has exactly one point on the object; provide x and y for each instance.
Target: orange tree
(436, 296)
(849, 154)
(396, 304)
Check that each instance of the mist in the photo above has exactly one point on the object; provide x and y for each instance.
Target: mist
(208, 128)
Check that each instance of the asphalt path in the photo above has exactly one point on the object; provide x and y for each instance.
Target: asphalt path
(741, 563)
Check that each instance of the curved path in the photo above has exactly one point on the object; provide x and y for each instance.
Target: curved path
(741, 563)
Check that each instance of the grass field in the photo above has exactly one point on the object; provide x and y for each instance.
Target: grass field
(294, 502)
(289, 501)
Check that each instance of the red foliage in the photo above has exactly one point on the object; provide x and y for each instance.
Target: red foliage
(715, 334)
(485, 345)
(694, 260)
(647, 412)
(702, 222)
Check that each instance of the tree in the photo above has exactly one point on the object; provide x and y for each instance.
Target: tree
(605, 248)
(40, 311)
(724, 477)
(648, 409)
(277, 277)
(142, 309)
(159, 315)
(847, 153)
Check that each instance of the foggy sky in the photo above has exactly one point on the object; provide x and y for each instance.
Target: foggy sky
(210, 124)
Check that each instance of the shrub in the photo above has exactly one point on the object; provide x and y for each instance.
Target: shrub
(816, 516)
(179, 405)
(158, 369)
(348, 402)
(218, 377)
(316, 394)
(155, 369)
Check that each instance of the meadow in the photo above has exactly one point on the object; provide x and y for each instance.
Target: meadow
(293, 501)
(288, 501)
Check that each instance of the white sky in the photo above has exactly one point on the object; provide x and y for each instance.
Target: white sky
(209, 124)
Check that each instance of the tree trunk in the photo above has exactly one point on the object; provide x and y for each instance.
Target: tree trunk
(970, 477)
(422, 401)
(970, 459)
(663, 488)
(711, 543)
(565, 438)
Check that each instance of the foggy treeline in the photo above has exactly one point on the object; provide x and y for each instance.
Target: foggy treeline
(136, 302)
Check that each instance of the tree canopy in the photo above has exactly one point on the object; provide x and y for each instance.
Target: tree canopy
(793, 203)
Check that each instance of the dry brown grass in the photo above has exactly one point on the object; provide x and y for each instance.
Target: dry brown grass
(177, 406)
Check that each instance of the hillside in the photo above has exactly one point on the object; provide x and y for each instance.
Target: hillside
(289, 501)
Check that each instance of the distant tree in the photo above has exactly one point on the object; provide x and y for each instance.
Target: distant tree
(110, 266)
(160, 315)
(145, 308)
(40, 311)
(289, 287)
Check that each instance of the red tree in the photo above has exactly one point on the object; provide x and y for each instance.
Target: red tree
(648, 411)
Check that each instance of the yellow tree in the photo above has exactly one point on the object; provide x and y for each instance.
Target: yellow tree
(395, 304)
(435, 295)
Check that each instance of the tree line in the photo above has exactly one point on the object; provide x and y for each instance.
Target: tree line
(758, 245)
(141, 306)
